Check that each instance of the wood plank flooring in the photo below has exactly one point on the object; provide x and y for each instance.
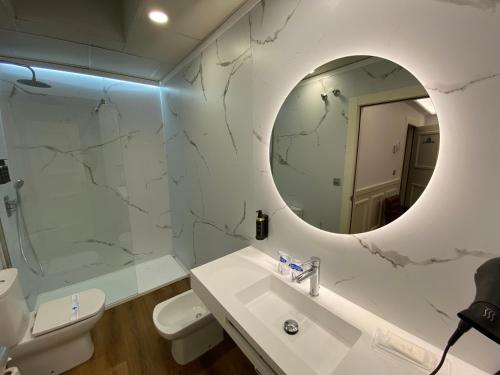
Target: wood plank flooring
(126, 343)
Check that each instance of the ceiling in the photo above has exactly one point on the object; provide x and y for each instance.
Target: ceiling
(114, 36)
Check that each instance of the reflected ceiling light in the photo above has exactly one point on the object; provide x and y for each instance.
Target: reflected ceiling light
(158, 16)
(427, 105)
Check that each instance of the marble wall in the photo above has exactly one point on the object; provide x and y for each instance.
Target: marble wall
(416, 272)
(208, 117)
(91, 151)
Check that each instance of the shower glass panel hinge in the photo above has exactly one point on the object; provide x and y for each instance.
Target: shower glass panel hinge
(10, 205)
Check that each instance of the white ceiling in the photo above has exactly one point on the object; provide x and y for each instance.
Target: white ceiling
(113, 36)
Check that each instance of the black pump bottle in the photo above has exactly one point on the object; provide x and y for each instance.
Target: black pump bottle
(262, 225)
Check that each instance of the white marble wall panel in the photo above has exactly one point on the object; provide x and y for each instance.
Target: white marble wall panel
(208, 117)
(418, 271)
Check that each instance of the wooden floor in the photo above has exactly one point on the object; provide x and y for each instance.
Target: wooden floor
(126, 343)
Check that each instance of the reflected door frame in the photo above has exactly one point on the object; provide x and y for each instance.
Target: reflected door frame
(353, 125)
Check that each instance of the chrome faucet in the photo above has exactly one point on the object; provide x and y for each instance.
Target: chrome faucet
(311, 273)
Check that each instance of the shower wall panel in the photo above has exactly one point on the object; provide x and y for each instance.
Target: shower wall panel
(92, 153)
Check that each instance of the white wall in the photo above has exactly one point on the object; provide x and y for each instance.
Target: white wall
(418, 271)
(383, 127)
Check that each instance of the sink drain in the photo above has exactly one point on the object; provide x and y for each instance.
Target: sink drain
(291, 326)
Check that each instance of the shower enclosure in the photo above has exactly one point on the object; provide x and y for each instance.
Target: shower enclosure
(93, 206)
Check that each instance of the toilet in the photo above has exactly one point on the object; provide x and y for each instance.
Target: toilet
(186, 322)
(54, 339)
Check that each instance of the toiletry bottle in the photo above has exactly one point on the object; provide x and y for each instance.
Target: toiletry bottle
(4, 172)
(262, 225)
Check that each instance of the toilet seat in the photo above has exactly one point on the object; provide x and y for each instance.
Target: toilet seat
(63, 312)
(51, 331)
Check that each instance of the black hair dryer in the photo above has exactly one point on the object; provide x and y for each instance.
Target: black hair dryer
(484, 313)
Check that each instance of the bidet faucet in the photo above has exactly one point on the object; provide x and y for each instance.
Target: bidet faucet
(311, 273)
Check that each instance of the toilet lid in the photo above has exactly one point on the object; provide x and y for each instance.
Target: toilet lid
(68, 310)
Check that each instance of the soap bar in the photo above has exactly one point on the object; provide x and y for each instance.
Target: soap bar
(394, 344)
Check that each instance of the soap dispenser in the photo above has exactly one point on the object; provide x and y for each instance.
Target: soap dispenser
(262, 225)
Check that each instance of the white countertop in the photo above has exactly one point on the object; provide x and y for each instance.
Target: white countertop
(217, 284)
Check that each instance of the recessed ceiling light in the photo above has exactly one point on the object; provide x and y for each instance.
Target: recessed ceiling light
(157, 16)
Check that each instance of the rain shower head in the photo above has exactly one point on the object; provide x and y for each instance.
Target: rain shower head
(33, 82)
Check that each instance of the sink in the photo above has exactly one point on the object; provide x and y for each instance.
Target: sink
(323, 339)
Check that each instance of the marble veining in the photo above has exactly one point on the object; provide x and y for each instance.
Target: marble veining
(399, 260)
(198, 75)
(257, 135)
(236, 65)
(88, 168)
(179, 233)
(224, 63)
(199, 220)
(462, 86)
(438, 310)
(344, 280)
(111, 244)
(480, 4)
(170, 108)
(274, 36)
(315, 130)
(382, 75)
(193, 143)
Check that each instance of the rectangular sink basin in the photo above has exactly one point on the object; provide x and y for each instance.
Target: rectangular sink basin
(323, 339)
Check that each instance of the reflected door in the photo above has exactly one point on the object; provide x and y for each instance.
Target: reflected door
(424, 153)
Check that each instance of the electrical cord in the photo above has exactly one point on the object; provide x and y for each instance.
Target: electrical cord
(461, 329)
(441, 362)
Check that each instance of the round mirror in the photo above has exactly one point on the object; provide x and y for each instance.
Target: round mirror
(354, 144)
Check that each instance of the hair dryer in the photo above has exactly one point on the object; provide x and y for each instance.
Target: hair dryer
(484, 313)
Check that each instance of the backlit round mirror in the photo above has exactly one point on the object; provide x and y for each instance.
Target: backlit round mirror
(354, 144)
